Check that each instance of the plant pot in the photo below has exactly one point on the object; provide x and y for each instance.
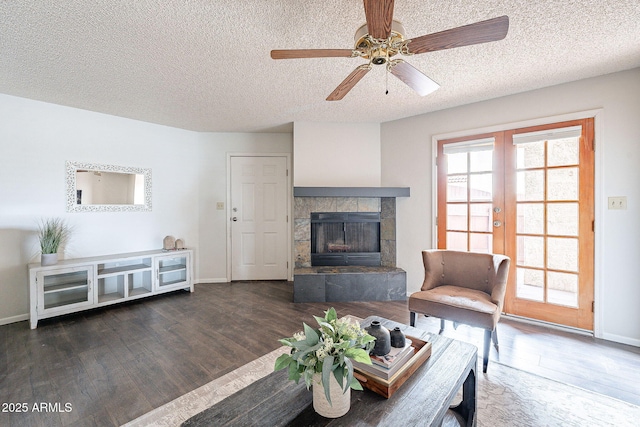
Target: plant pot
(48, 259)
(340, 402)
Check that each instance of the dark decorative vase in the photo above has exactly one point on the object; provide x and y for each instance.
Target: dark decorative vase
(383, 339)
(398, 339)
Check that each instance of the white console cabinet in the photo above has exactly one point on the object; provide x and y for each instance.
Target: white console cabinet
(84, 283)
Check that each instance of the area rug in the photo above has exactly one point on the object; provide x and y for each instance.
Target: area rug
(506, 397)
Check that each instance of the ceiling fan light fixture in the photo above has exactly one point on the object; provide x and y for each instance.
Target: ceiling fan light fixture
(378, 51)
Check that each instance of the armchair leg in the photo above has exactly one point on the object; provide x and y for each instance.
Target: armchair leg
(487, 348)
(441, 327)
(412, 318)
(494, 336)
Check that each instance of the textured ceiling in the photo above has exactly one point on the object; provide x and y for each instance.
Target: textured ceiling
(204, 65)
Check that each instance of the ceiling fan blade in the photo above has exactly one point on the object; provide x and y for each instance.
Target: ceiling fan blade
(481, 32)
(379, 15)
(311, 53)
(412, 77)
(348, 83)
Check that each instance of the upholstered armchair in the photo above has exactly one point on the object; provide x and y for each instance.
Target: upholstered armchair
(463, 287)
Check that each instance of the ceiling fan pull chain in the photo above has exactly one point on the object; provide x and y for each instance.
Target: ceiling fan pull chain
(387, 81)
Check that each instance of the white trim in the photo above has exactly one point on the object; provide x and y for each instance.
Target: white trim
(14, 319)
(598, 213)
(434, 186)
(621, 339)
(599, 201)
(519, 124)
(287, 157)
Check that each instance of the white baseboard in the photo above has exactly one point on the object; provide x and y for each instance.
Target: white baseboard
(608, 337)
(14, 319)
(205, 281)
(622, 340)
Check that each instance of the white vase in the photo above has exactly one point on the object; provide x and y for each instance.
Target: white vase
(48, 259)
(340, 402)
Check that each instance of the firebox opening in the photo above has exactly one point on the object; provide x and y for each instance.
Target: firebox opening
(345, 238)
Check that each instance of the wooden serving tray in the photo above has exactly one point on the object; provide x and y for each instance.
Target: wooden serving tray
(385, 387)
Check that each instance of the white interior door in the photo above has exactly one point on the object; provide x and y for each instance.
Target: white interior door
(259, 218)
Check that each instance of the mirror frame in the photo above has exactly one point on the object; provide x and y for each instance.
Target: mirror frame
(72, 205)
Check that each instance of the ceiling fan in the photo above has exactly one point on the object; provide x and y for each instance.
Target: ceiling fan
(382, 37)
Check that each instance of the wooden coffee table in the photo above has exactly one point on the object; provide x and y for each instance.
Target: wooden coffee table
(424, 399)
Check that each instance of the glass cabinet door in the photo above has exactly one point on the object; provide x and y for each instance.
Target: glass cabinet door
(64, 289)
(172, 271)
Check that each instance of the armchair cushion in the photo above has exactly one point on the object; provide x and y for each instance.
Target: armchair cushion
(468, 306)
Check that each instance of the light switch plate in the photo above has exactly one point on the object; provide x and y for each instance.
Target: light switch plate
(618, 202)
(220, 206)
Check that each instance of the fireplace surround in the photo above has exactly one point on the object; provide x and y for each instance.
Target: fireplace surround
(342, 280)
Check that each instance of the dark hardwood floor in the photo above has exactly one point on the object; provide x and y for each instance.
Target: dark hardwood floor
(115, 364)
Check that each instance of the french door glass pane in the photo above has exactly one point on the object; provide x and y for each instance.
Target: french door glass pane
(456, 163)
(562, 288)
(481, 217)
(562, 253)
(481, 161)
(457, 241)
(562, 219)
(530, 155)
(562, 184)
(457, 188)
(481, 242)
(531, 251)
(530, 284)
(457, 216)
(530, 218)
(530, 185)
(563, 152)
(481, 186)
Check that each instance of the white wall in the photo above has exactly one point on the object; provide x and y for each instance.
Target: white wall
(213, 150)
(336, 154)
(406, 147)
(37, 138)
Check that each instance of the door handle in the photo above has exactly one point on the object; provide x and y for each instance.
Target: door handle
(497, 223)
(235, 218)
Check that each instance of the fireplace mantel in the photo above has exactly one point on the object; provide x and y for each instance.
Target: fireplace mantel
(351, 191)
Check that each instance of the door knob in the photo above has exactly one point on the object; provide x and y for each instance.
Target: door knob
(497, 223)
(235, 218)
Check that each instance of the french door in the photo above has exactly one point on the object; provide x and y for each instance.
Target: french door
(526, 193)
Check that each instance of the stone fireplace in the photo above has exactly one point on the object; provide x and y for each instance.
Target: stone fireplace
(345, 244)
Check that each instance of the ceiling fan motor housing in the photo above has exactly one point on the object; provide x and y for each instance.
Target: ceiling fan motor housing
(379, 51)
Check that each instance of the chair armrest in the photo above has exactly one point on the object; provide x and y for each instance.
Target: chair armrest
(433, 269)
(501, 272)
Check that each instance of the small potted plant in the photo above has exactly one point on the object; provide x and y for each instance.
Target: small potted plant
(52, 233)
(323, 356)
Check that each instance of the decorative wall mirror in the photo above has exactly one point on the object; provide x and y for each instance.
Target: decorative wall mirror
(94, 187)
